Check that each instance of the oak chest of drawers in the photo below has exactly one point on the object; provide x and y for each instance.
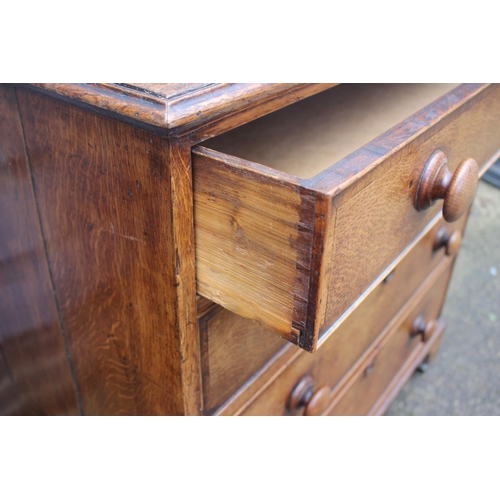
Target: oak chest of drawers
(255, 249)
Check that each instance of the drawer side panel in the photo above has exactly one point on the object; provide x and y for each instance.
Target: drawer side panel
(254, 234)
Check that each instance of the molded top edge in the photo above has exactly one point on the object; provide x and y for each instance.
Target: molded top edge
(179, 108)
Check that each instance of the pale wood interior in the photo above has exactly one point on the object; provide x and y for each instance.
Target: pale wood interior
(307, 137)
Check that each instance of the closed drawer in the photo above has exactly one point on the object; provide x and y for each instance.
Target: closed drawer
(298, 255)
(231, 344)
(309, 386)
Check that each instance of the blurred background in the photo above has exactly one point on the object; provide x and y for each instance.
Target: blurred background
(464, 378)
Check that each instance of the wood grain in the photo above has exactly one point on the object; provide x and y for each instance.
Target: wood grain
(105, 192)
(111, 185)
(233, 350)
(181, 245)
(247, 393)
(380, 204)
(197, 110)
(361, 392)
(35, 375)
(241, 218)
(457, 189)
(427, 354)
(203, 306)
(343, 352)
(356, 220)
(358, 388)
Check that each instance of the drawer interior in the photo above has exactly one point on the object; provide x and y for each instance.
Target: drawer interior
(232, 350)
(299, 255)
(305, 138)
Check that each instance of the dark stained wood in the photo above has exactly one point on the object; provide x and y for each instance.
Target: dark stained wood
(233, 350)
(335, 256)
(346, 227)
(457, 189)
(180, 109)
(164, 90)
(301, 393)
(140, 106)
(181, 245)
(35, 376)
(105, 192)
(450, 241)
(258, 108)
(306, 399)
(318, 403)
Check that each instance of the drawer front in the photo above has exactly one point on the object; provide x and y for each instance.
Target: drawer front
(382, 367)
(297, 255)
(360, 388)
(223, 340)
(422, 358)
(427, 259)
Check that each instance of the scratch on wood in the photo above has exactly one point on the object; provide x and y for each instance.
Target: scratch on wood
(133, 238)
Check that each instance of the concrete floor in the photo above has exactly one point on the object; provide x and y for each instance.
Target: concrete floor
(464, 378)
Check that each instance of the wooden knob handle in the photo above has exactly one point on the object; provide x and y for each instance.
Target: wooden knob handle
(304, 395)
(421, 327)
(301, 393)
(451, 242)
(318, 402)
(457, 189)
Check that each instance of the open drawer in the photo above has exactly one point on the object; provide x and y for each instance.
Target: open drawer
(293, 243)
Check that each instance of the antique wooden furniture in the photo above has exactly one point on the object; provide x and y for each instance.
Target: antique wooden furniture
(256, 249)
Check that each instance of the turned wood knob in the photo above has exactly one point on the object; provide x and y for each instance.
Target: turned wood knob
(421, 327)
(451, 242)
(457, 189)
(304, 395)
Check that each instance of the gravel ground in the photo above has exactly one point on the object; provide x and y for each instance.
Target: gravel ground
(464, 378)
